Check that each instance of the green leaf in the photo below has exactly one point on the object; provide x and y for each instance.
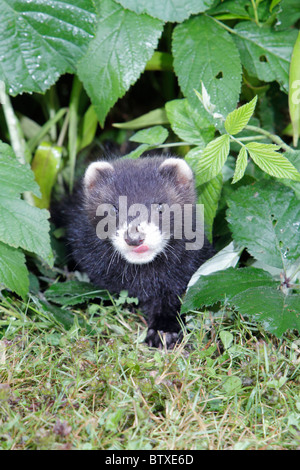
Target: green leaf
(13, 271)
(169, 10)
(15, 177)
(222, 286)
(241, 164)
(45, 165)
(239, 118)
(115, 58)
(41, 40)
(211, 159)
(209, 195)
(265, 53)
(264, 217)
(156, 117)
(73, 293)
(25, 226)
(277, 312)
(288, 14)
(272, 162)
(188, 123)
(204, 52)
(294, 89)
(227, 338)
(153, 136)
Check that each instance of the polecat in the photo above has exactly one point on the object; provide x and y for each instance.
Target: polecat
(121, 238)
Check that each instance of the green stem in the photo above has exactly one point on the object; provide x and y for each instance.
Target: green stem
(255, 12)
(275, 138)
(73, 127)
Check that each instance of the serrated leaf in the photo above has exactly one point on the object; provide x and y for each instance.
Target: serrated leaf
(169, 10)
(241, 163)
(153, 136)
(114, 61)
(239, 118)
(188, 123)
(294, 89)
(13, 271)
(205, 53)
(264, 217)
(211, 159)
(209, 194)
(15, 178)
(223, 286)
(277, 312)
(25, 226)
(272, 162)
(41, 40)
(265, 53)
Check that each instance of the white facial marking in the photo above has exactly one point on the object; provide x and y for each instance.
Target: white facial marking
(153, 240)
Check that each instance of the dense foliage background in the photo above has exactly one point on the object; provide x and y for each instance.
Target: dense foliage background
(215, 82)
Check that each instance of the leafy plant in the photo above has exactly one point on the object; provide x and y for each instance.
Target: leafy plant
(220, 74)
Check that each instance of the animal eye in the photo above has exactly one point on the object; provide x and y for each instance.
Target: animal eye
(160, 208)
(113, 210)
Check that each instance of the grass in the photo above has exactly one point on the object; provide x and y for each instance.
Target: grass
(98, 386)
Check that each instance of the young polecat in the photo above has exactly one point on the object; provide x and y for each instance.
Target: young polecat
(131, 226)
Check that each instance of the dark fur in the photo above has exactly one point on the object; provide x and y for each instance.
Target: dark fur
(159, 284)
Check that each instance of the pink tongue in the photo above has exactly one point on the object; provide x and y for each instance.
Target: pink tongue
(141, 249)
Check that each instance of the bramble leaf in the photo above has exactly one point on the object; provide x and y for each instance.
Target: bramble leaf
(169, 10)
(239, 118)
(264, 217)
(114, 59)
(272, 162)
(211, 159)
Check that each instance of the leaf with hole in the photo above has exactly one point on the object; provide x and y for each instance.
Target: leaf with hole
(204, 52)
(264, 217)
(265, 53)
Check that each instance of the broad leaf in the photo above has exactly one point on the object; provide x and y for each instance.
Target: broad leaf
(21, 225)
(272, 162)
(41, 40)
(168, 10)
(25, 226)
(15, 178)
(277, 312)
(13, 271)
(224, 285)
(153, 118)
(211, 159)
(204, 52)
(264, 217)
(188, 123)
(265, 53)
(239, 118)
(153, 136)
(123, 43)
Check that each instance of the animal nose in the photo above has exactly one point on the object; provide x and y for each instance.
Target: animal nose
(133, 237)
(134, 241)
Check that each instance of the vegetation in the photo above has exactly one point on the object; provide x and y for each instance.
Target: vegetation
(216, 82)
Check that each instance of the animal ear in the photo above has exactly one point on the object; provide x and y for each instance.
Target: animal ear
(94, 172)
(179, 168)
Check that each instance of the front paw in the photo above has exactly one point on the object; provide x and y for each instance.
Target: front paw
(159, 338)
